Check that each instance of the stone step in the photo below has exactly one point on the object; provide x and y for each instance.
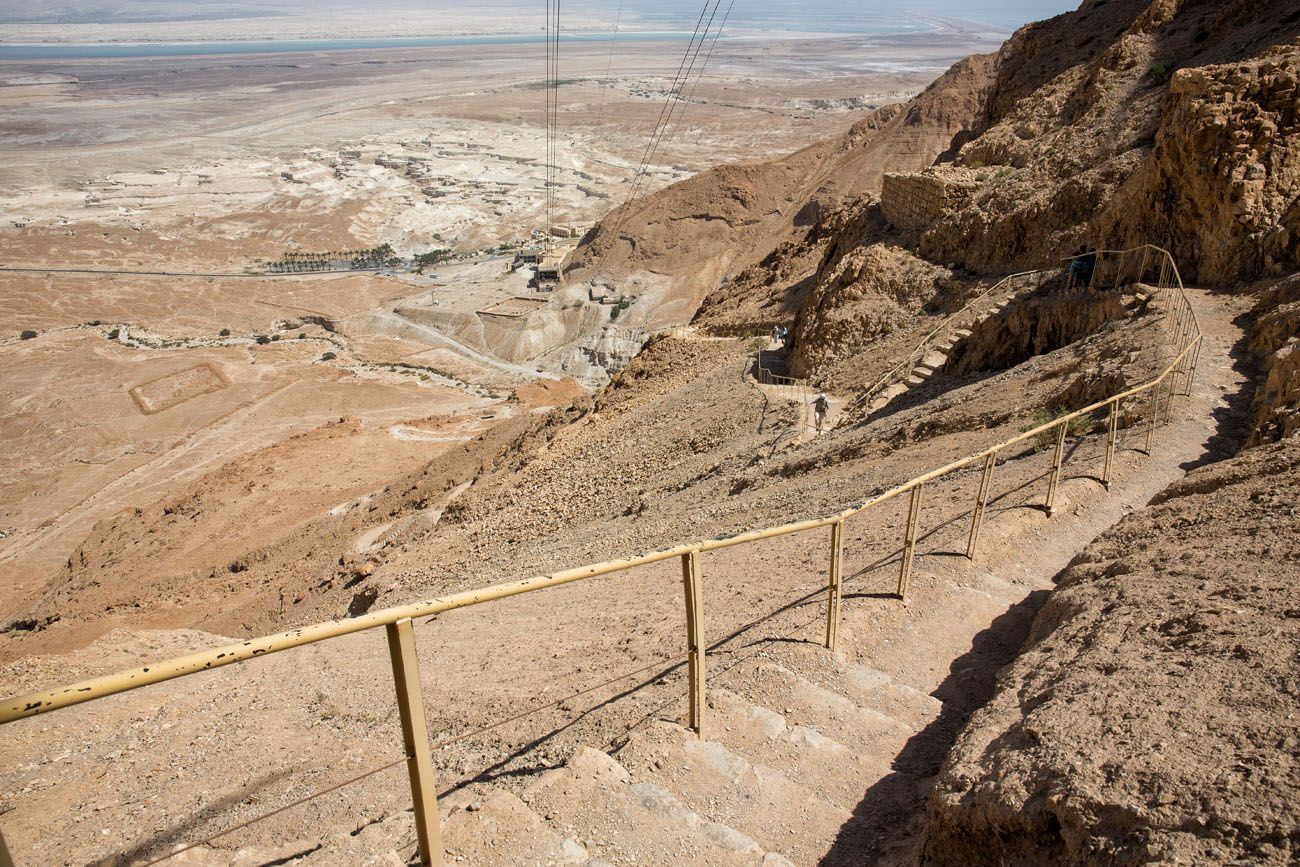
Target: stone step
(818, 706)
(894, 391)
(934, 359)
(499, 828)
(873, 688)
(913, 381)
(918, 642)
(962, 333)
(865, 686)
(594, 799)
(800, 753)
(725, 787)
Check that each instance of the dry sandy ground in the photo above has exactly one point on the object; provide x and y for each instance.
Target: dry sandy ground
(339, 694)
(217, 164)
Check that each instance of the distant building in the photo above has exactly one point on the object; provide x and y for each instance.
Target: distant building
(549, 271)
(526, 257)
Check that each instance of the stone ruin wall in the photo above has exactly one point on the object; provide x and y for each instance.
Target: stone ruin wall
(916, 200)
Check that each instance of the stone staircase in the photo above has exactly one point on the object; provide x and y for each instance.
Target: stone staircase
(795, 740)
(937, 352)
(935, 355)
(794, 737)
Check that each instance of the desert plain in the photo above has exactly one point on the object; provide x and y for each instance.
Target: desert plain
(145, 196)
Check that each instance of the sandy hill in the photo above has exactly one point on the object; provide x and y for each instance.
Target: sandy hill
(1173, 122)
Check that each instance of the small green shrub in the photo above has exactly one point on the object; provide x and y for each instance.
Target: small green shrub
(113, 335)
(1159, 73)
(329, 356)
(275, 337)
(225, 332)
(27, 334)
(262, 339)
(1047, 439)
(302, 335)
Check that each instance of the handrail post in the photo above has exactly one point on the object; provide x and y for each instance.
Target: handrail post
(694, 642)
(1112, 432)
(1168, 411)
(1196, 360)
(909, 542)
(1142, 275)
(415, 737)
(1054, 480)
(981, 502)
(834, 586)
(1151, 424)
(1180, 372)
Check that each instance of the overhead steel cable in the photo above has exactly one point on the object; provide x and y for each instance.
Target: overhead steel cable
(609, 66)
(670, 125)
(552, 88)
(672, 90)
(700, 75)
(686, 69)
(675, 94)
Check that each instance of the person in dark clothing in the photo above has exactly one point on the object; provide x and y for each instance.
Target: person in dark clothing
(1082, 266)
(1089, 265)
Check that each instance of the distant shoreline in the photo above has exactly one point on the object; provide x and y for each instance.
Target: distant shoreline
(11, 50)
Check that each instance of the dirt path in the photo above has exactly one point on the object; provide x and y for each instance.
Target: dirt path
(438, 337)
(844, 744)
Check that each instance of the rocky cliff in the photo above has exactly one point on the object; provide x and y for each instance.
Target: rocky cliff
(1154, 121)
(1121, 123)
(1275, 342)
(1151, 716)
(1221, 183)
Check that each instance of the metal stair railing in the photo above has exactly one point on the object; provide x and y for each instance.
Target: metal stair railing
(1120, 259)
(1176, 378)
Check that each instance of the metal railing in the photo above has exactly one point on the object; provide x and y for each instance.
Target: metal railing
(1028, 280)
(922, 348)
(1175, 378)
(766, 377)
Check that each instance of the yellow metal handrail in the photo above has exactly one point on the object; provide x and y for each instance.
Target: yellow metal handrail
(1182, 320)
(767, 377)
(918, 352)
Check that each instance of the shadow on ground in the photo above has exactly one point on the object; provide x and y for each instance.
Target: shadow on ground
(890, 811)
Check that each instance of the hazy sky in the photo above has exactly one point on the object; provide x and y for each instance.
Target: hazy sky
(832, 15)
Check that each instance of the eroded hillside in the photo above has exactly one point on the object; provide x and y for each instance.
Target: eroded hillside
(1151, 715)
(1147, 716)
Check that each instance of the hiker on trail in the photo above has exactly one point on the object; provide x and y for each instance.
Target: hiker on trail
(777, 332)
(821, 405)
(1089, 265)
(1085, 262)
